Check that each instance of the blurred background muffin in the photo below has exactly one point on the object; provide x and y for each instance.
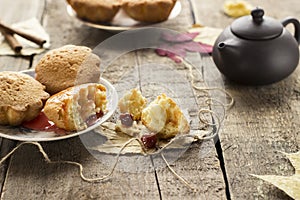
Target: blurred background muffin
(150, 11)
(96, 10)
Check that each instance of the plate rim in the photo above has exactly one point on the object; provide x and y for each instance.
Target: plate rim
(56, 138)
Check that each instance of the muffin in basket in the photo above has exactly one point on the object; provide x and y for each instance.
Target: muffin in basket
(21, 98)
(149, 11)
(96, 10)
(67, 66)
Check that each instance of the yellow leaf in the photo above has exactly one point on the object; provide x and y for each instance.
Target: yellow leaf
(237, 8)
(295, 160)
(289, 184)
(207, 35)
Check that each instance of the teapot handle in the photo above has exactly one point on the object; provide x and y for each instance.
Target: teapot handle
(296, 24)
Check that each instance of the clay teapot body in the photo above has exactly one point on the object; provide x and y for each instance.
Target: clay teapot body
(257, 50)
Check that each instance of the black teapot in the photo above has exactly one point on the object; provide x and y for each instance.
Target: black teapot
(257, 50)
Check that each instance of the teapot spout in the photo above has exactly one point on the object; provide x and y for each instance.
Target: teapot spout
(221, 45)
(226, 44)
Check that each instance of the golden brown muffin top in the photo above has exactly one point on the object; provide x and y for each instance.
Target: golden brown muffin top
(18, 90)
(67, 66)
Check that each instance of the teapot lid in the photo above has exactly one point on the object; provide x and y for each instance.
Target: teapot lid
(256, 26)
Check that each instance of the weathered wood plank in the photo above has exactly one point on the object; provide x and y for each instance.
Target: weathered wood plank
(12, 12)
(264, 120)
(8, 63)
(32, 178)
(42, 180)
(200, 168)
(268, 127)
(6, 146)
(198, 164)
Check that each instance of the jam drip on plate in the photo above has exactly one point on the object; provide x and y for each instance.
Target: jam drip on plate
(42, 123)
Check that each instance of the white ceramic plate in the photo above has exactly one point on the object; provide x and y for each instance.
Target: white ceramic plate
(122, 21)
(24, 134)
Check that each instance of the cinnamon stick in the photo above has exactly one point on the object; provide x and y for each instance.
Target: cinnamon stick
(27, 36)
(12, 41)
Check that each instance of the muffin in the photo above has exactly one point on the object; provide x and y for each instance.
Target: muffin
(21, 98)
(133, 102)
(96, 10)
(164, 117)
(67, 66)
(77, 107)
(149, 11)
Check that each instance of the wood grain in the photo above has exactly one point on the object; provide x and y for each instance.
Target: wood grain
(198, 164)
(12, 12)
(264, 120)
(41, 180)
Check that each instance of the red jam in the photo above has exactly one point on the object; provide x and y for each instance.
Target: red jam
(93, 118)
(149, 140)
(126, 119)
(42, 123)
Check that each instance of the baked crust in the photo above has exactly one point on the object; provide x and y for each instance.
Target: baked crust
(67, 66)
(133, 102)
(164, 109)
(96, 10)
(21, 98)
(71, 108)
(149, 11)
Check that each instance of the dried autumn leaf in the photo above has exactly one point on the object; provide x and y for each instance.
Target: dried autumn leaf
(237, 8)
(289, 184)
(176, 46)
(206, 35)
(116, 140)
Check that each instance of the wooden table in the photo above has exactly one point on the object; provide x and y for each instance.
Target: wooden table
(263, 122)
